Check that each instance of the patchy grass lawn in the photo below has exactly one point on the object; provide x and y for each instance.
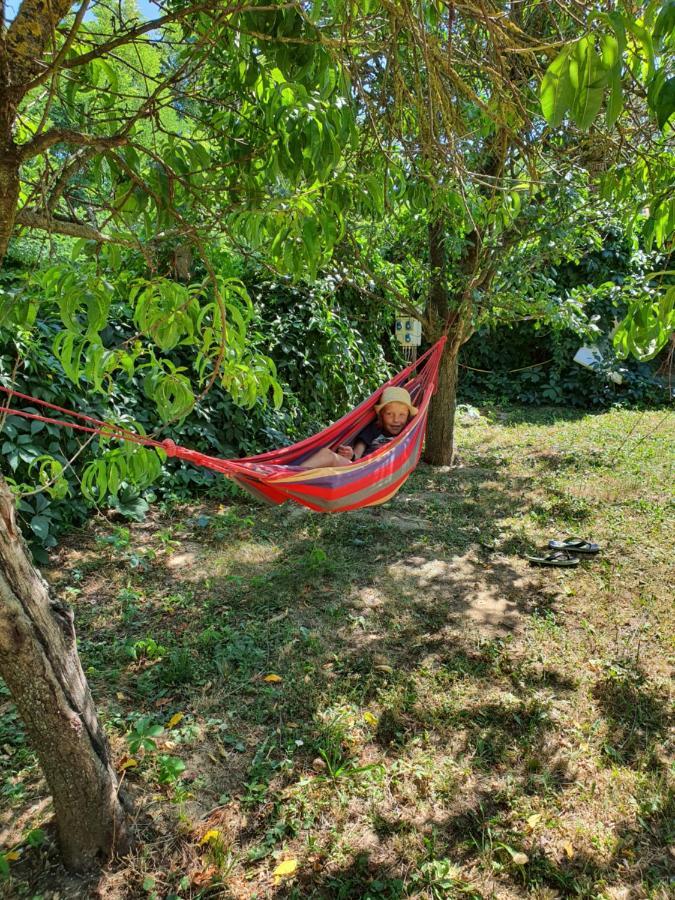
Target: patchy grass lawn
(391, 702)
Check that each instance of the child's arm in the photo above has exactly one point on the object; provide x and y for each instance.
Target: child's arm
(359, 449)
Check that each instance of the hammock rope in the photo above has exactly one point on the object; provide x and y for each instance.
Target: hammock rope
(278, 475)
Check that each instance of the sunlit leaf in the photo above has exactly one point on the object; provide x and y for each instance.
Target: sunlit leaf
(285, 869)
(175, 719)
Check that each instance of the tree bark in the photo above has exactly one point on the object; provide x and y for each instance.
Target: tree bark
(451, 316)
(39, 662)
(9, 191)
(439, 447)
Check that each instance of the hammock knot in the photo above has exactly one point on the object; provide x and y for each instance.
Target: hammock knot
(169, 447)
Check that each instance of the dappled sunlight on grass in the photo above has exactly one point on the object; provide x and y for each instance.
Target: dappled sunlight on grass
(392, 698)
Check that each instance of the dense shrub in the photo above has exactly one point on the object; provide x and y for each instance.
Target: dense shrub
(527, 362)
(326, 362)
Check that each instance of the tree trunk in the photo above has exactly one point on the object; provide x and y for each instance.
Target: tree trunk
(439, 446)
(9, 192)
(39, 662)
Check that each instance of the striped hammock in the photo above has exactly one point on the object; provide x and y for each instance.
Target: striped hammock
(278, 476)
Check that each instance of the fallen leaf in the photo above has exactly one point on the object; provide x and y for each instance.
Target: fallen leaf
(175, 719)
(534, 820)
(13, 855)
(370, 719)
(278, 618)
(211, 835)
(569, 850)
(285, 869)
(204, 877)
(272, 678)
(520, 858)
(128, 763)
(121, 696)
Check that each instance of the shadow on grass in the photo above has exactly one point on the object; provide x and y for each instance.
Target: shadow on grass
(637, 717)
(476, 836)
(351, 611)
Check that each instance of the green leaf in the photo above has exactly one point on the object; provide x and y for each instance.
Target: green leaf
(69, 354)
(36, 837)
(647, 327)
(615, 102)
(617, 22)
(664, 106)
(40, 526)
(665, 22)
(609, 52)
(644, 41)
(78, 247)
(556, 93)
(588, 78)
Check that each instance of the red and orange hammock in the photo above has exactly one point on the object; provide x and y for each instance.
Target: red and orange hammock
(278, 476)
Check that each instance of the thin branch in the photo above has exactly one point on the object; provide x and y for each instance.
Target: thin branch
(30, 218)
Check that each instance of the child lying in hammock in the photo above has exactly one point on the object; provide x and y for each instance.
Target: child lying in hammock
(393, 413)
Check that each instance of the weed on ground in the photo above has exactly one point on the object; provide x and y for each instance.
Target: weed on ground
(389, 703)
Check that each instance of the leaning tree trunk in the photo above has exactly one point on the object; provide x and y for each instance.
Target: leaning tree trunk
(39, 662)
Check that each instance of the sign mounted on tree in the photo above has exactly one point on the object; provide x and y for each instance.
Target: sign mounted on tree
(409, 335)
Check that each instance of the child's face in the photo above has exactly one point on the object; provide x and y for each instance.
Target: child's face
(394, 417)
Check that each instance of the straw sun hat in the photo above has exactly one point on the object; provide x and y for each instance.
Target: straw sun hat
(396, 395)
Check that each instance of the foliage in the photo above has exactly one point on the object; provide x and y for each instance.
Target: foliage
(211, 141)
(313, 337)
(624, 59)
(531, 361)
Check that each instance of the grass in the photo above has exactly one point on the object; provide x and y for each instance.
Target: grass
(391, 698)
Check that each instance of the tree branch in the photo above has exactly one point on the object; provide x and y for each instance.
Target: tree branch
(30, 33)
(30, 218)
(128, 37)
(65, 136)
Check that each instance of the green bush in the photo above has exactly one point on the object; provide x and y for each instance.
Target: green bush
(325, 360)
(526, 362)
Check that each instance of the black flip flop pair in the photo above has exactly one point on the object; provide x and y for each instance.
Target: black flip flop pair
(564, 553)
